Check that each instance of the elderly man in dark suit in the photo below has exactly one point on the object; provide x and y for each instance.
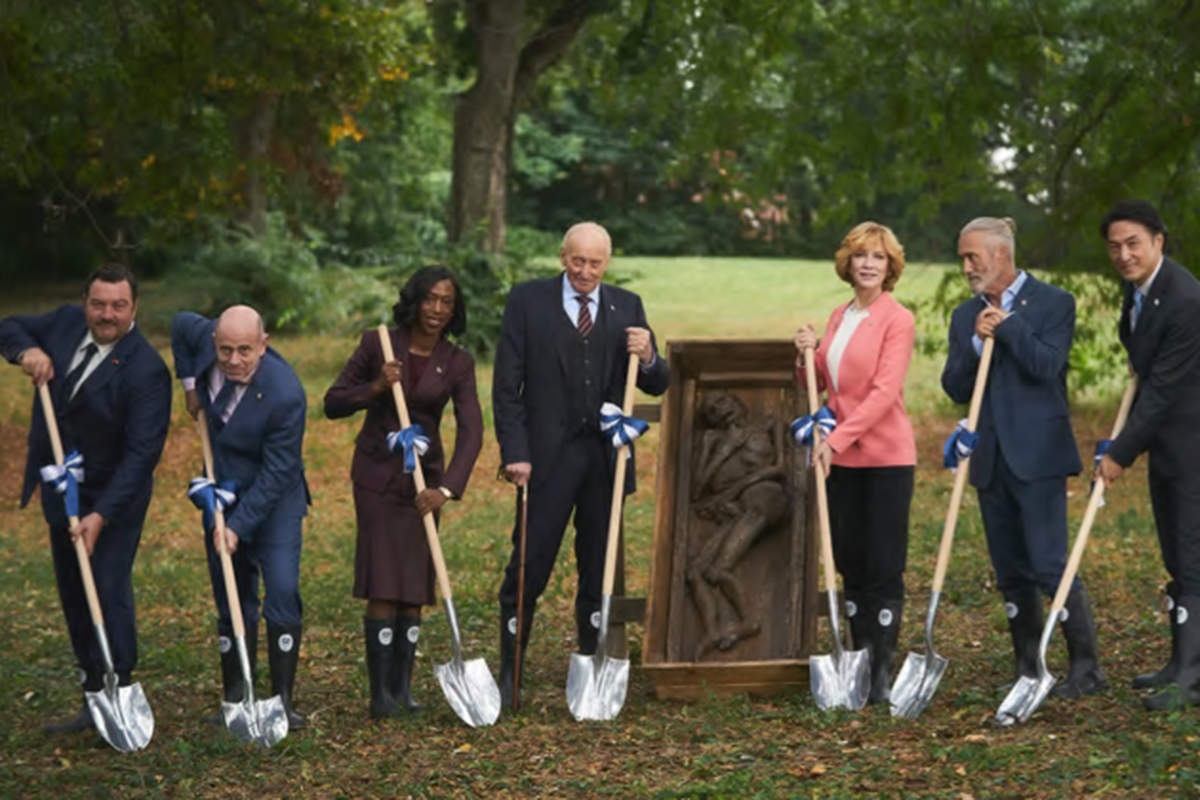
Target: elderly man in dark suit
(1160, 328)
(112, 398)
(255, 408)
(562, 354)
(1026, 447)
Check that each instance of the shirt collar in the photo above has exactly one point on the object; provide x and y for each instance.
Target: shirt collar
(569, 293)
(1010, 294)
(1145, 287)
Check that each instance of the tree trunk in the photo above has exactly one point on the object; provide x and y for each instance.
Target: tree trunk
(506, 72)
(253, 135)
(483, 122)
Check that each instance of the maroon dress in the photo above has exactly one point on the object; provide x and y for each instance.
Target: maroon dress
(392, 558)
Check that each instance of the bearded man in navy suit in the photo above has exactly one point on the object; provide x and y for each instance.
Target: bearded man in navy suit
(112, 399)
(563, 352)
(1160, 328)
(255, 409)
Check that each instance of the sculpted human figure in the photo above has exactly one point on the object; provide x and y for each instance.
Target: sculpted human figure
(739, 490)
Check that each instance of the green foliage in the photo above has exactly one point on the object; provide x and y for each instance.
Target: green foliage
(279, 274)
(1097, 362)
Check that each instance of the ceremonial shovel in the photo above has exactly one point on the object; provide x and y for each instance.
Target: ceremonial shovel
(260, 721)
(921, 673)
(596, 684)
(469, 686)
(121, 714)
(841, 680)
(1028, 694)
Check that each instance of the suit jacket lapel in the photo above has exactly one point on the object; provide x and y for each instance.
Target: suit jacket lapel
(107, 367)
(553, 305)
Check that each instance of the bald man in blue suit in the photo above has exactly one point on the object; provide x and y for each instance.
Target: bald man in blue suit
(255, 409)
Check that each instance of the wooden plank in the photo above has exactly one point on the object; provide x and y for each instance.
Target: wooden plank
(628, 609)
(690, 681)
(679, 529)
(650, 412)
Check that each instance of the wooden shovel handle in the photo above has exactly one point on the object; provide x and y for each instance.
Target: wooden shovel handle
(614, 512)
(81, 553)
(431, 534)
(231, 592)
(964, 467)
(1089, 515)
(810, 375)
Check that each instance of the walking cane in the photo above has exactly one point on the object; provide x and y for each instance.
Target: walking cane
(523, 535)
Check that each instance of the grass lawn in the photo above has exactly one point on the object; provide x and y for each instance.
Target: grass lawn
(740, 747)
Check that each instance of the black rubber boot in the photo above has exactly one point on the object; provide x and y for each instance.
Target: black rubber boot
(82, 721)
(1023, 607)
(284, 654)
(1084, 675)
(886, 618)
(378, 634)
(508, 649)
(404, 653)
(233, 687)
(1184, 691)
(857, 616)
(587, 630)
(1166, 675)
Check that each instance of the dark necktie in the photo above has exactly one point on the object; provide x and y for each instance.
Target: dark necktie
(74, 375)
(220, 403)
(584, 321)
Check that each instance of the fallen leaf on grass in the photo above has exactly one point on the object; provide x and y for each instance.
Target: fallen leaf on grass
(817, 769)
(975, 737)
(960, 770)
(464, 748)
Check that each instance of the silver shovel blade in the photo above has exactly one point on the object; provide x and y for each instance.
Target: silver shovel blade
(1025, 697)
(840, 683)
(259, 721)
(471, 690)
(914, 686)
(596, 686)
(122, 715)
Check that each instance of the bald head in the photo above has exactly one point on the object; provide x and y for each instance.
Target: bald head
(241, 341)
(586, 249)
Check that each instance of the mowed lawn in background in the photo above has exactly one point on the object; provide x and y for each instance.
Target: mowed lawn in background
(737, 747)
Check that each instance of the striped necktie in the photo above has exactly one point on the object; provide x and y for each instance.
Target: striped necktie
(584, 321)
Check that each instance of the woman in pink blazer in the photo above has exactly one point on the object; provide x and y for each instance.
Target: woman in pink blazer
(871, 454)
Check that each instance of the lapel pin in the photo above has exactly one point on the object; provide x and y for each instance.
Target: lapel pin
(1156, 301)
(439, 370)
(258, 397)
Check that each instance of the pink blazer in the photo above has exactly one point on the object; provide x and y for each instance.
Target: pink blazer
(873, 429)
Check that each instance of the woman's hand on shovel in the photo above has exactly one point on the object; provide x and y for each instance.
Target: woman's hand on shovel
(430, 500)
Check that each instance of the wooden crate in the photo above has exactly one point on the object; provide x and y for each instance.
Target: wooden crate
(778, 571)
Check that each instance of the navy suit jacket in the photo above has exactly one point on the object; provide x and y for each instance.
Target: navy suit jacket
(529, 383)
(1024, 417)
(118, 419)
(259, 448)
(1164, 351)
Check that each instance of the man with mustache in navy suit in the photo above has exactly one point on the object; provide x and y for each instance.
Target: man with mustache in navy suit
(112, 399)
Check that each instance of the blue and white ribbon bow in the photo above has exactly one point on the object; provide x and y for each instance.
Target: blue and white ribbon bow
(411, 442)
(65, 479)
(802, 427)
(1098, 456)
(211, 497)
(959, 445)
(622, 429)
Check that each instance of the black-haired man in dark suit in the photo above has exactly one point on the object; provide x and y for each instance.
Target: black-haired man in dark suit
(112, 399)
(1160, 328)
